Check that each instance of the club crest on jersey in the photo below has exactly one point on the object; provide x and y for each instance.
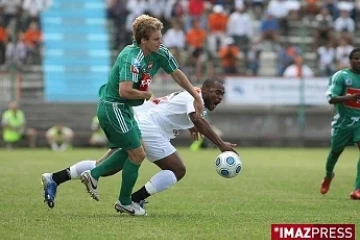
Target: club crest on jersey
(348, 82)
(150, 65)
(134, 66)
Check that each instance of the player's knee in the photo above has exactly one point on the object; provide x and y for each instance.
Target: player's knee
(336, 152)
(180, 172)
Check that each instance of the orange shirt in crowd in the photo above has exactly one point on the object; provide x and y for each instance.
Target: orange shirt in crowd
(229, 55)
(196, 38)
(217, 22)
(3, 35)
(32, 37)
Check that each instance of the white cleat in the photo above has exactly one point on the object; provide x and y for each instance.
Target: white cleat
(90, 184)
(133, 209)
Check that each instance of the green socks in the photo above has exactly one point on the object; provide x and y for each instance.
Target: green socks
(114, 162)
(330, 164)
(357, 183)
(130, 174)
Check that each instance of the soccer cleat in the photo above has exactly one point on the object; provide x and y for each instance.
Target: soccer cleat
(134, 209)
(355, 195)
(142, 203)
(90, 184)
(325, 184)
(50, 188)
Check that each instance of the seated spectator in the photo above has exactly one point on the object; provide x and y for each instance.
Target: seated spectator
(253, 63)
(342, 54)
(98, 137)
(322, 24)
(16, 53)
(59, 137)
(174, 40)
(286, 56)
(269, 28)
(298, 69)
(195, 39)
(345, 25)
(32, 40)
(10, 9)
(326, 59)
(280, 11)
(3, 41)
(14, 127)
(229, 55)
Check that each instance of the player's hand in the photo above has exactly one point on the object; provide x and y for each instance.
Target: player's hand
(147, 95)
(195, 134)
(226, 146)
(199, 106)
(355, 96)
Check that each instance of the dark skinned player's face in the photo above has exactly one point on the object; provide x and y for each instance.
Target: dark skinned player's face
(355, 62)
(213, 95)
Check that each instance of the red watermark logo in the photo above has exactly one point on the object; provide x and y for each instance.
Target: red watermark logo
(312, 231)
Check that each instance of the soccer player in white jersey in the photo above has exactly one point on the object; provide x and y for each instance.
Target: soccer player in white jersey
(159, 121)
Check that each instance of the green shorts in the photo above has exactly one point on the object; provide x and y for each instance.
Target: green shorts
(119, 125)
(344, 132)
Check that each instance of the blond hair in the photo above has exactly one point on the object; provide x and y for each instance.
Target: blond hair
(144, 25)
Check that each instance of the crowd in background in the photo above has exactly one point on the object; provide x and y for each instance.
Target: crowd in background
(20, 32)
(203, 34)
(208, 35)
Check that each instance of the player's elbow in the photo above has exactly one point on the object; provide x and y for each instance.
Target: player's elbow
(124, 92)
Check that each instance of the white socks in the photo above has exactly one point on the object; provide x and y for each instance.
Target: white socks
(160, 182)
(80, 167)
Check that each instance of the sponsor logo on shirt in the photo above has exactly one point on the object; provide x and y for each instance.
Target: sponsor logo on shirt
(352, 104)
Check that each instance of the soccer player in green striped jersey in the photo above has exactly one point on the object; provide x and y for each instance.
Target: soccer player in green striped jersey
(344, 93)
(128, 86)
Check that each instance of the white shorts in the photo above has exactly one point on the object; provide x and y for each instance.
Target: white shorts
(157, 144)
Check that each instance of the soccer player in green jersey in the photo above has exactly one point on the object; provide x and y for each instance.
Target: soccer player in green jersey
(344, 93)
(128, 86)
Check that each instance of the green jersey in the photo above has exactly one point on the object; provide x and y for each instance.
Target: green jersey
(345, 82)
(131, 65)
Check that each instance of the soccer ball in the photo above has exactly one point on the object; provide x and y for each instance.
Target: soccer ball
(228, 164)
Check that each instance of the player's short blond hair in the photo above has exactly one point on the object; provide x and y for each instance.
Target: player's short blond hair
(144, 25)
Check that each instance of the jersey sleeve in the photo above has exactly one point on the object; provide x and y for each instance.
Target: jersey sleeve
(167, 61)
(129, 67)
(336, 86)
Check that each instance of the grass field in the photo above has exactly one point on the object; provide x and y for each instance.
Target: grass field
(275, 186)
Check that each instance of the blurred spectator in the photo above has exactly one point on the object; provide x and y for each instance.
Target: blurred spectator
(345, 25)
(98, 137)
(33, 9)
(326, 59)
(254, 58)
(59, 137)
(33, 40)
(286, 56)
(116, 11)
(269, 28)
(279, 10)
(195, 39)
(258, 7)
(174, 40)
(342, 54)
(10, 9)
(229, 55)
(14, 127)
(217, 22)
(175, 10)
(240, 28)
(16, 53)
(195, 10)
(322, 24)
(298, 69)
(3, 41)
(311, 8)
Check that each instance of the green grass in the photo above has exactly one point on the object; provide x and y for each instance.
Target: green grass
(275, 186)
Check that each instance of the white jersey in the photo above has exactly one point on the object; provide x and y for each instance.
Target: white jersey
(170, 113)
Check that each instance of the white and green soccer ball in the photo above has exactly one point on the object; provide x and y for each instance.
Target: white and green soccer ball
(228, 164)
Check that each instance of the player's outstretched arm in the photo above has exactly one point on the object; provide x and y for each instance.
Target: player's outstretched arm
(342, 99)
(204, 127)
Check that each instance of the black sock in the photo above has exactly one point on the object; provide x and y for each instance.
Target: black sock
(140, 194)
(61, 176)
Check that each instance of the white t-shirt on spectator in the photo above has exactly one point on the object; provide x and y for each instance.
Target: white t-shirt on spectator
(174, 38)
(344, 23)
(291, 71)
(326, 56)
